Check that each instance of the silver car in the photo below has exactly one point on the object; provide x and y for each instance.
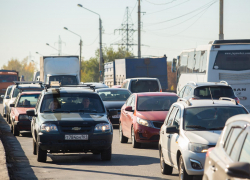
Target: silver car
(190, 129)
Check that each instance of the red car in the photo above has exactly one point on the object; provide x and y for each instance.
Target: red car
(19, 119)
(143, 115)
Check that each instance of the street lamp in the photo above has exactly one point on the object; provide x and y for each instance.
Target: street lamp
(100, 31)
(80, 49)
(53, 48)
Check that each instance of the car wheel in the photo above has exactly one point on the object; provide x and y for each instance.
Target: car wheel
(182, 171)
(41, 154)
(123, 139)
(165, 169)
(34, 147)
(134, 143)
(106, 154)
(15, 130)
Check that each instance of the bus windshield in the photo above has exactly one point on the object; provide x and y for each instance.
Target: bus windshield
(233, 60)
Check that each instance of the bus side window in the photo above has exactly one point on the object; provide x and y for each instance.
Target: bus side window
(203, 62)
(190, 65)
(197, 57)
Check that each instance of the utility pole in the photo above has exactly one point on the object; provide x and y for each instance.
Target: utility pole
(139, 29)
(101, 57)
(221, 35)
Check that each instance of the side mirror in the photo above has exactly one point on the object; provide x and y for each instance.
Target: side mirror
(173, 67)
(172, 130)
(112, 112)
(7, 97)
(129, 108)
(12, 105)
(31, 112)
(238, 170)
(2, 96)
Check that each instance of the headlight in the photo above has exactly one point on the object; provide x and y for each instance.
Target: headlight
(23, 117)
(103, 127)
(199, 148)
(48, 127)
(144, 122)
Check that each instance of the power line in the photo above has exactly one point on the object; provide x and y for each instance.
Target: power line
(133, 8)
(93, 41)
(160, 3)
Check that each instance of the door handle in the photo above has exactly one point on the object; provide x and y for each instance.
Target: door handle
(213, 168)
(162, 132)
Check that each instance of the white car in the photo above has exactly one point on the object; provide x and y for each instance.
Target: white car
(6, 99)
(190, 128)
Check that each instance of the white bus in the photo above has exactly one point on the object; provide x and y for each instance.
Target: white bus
(220, 60)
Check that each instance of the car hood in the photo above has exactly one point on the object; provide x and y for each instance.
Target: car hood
(73, 117)
(113, 104)
(22, 110)
(152, 115)
(203, 137)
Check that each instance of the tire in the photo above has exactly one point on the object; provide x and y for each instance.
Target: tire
(106, 154)
(41, 154)
(34, 147)
(134, 143)
(165, 169)
(122, 138)
(15, 130)
(182, 171)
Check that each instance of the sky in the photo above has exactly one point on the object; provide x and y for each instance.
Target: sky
(168, 26)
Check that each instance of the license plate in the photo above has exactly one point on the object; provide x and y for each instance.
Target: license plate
(76, 137)
(116, 116)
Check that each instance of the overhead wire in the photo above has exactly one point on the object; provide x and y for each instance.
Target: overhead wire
(160, 3)
(93, 41)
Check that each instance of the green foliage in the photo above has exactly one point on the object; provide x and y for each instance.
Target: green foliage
(24, 67)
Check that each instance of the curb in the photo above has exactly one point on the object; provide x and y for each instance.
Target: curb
(4, 175)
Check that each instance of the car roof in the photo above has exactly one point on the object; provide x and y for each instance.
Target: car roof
(116, 89)
(156, 94)
(240, 117)
(28, 86)
(30, 92)
(197, 84)
(69, 90)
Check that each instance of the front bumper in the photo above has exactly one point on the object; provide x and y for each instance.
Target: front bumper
(57, 142)
(144, 134)
(24, 125)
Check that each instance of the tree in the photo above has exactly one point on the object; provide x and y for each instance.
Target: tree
(172, 81)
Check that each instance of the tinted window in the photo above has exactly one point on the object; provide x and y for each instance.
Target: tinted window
(72, 102)
(64, 80)
(232, 60)
(155, 103)
(237, 146)
(216, 91)
(209, 118)
(245, 153)
(144, 86)
(8, 91)
(28, 100)
(114, 95)
(8, 78)
(129, 101)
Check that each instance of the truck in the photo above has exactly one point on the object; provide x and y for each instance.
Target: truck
(6, 79)
(65, 69)
(117, 71)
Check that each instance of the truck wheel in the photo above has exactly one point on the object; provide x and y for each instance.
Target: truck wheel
(134, 143)
(182, 171)
(165, 169)
(106, 154)
(15, 130)
(41, 154)
(34, 147)
(123, 139)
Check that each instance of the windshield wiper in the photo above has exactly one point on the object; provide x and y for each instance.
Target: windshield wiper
(78, 110)
(196, 126)
(217, 128)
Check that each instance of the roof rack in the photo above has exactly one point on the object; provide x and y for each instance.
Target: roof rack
(224, 82)
(228, 99)
(47, 86)
(192, 82)
(28, 82)
(185, 100)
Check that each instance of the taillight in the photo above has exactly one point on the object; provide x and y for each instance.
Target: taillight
(237, 100)
(208, 151)
(160, 90)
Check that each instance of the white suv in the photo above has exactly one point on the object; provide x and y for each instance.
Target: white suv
(190, 128)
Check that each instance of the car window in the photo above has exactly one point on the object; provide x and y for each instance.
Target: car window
(245, 152)
(177, 119)
(144, 86)
(186, 92)
(8, 92)
(182, 91)
(114, 95)
(234, 132)
(27, 100)
(133, 102)
(171, 117)
(38, 101)
(237, 146)
(216, 91)
(129, 101)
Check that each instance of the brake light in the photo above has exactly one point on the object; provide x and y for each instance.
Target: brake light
(160, 90)
(237, 100)
(208, 151)
(193, 98)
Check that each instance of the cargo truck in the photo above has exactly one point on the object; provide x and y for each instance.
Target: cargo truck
(119, 70)
(65, 69)
(6, 79)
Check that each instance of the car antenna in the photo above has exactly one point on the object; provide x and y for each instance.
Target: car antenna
(211, 95)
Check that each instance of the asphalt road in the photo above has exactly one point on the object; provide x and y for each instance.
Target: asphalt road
(126, 162)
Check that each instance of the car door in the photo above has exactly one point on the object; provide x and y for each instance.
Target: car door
(130, 115)
(166, 137)
(124, 117)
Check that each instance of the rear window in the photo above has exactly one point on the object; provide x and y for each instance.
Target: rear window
(28, 100)
(8, 78)
(216, 91)
(144, 86)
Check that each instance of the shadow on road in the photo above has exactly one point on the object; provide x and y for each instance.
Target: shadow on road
(17, 162)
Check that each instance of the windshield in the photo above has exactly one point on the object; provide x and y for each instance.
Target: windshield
(209, 118)
(232, 60)
(8, 78)
(17, 90)
(64, 80)
(216, 91)
(28, 100)
(144, 86)
(72, 102)
(155, 103)
(114, 95)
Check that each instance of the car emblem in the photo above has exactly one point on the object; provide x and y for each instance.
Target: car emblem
(76, 128)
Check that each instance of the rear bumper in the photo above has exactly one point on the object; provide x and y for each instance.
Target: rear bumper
(145, 134)
(23, 125)
(57, 142)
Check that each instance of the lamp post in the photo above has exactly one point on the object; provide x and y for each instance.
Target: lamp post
(100, 34)
(53, 48)
(80, 49)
